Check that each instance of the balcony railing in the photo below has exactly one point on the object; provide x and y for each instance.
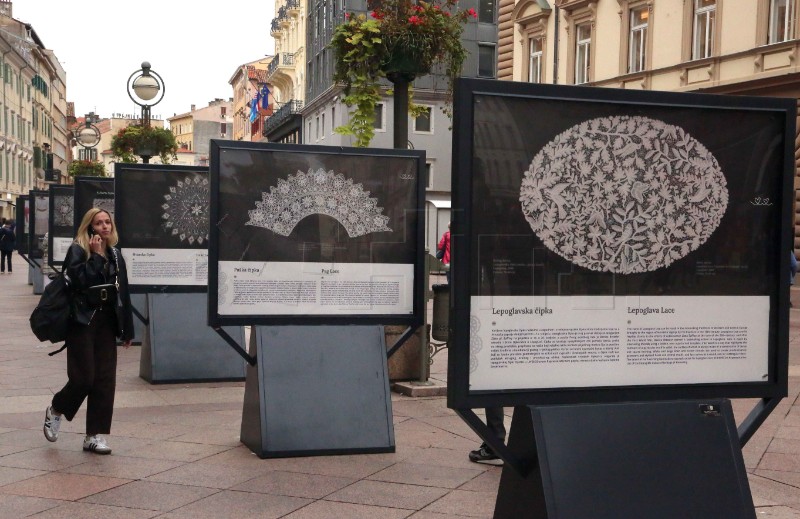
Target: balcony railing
(292, 4)
(281, 115)
(283, 58)
(276, 26)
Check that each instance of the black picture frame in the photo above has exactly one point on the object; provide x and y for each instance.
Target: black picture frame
(142, 223)
(92, 192)
(21, 229)
(39, 203)
(244, 174)
(753, 140)
(60, 221)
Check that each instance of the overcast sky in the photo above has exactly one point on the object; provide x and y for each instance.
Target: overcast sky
(194, 46)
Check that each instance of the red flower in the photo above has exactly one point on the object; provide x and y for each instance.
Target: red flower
(347, 16)
(377, 15)
(472, 12)
(415, 20)
(446, 14)
(417, 8)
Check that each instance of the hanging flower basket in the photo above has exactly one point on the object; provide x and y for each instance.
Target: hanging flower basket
(144, 141)
(400, 41)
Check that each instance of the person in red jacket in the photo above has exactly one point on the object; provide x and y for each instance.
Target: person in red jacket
(444, 245)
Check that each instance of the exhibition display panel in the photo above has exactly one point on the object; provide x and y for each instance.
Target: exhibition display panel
(314, 234)
(162, 216)
(92, 192)
(616, 245)
(61, 223)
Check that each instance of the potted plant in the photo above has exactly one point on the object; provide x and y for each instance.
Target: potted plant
(145, 141)
(400, 40)
(89, 168)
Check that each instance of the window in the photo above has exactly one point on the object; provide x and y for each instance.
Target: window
(486, 61)
(223, 110)
(535, 60)
(87, 154)
(316, 127)
(781, 20)
(423, 123)
(223, 129)
(583, 42)
(703, 38)
(322, 124)
(638, 40)
(333, 118)
(378, 123)
(486, 11)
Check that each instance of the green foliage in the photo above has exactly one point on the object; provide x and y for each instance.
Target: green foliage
(89, 168)
(400, 40)
(138, 140)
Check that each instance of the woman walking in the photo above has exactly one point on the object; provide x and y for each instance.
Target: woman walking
(101, 311)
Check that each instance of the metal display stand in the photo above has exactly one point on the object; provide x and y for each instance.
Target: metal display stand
(659, 460)
(177, 346)
(315, 390)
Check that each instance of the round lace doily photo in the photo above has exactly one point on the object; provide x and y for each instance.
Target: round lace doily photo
(186, 208)
(624, 194)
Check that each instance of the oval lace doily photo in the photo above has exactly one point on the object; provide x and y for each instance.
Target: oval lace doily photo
(624, 194)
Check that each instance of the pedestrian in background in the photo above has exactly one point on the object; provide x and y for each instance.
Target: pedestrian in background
(8, 243)
(444, 246)
(92, 260)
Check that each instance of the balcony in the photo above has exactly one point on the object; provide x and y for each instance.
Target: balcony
(282, 115)
(275, 27)
(293, 7)
(283, 59)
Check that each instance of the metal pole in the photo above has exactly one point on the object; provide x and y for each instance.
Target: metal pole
(401, 114)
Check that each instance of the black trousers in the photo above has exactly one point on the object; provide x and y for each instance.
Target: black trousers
(494, 420)
(5, 257)
(92, 372)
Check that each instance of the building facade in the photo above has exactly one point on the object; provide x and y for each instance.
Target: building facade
(194, 129)
(247, 81)
(287, 72)
(32, 113)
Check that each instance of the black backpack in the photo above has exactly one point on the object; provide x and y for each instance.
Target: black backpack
(50, 318)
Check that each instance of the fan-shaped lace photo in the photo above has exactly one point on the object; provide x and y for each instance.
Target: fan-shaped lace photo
(624, 194)
(63, 216)
(186, 209)
(318, 192)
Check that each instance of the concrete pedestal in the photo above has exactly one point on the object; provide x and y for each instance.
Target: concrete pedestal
(179, 346)
(317, 390)
(139, 302)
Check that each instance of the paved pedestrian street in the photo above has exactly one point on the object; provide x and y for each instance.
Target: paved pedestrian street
(176, 450)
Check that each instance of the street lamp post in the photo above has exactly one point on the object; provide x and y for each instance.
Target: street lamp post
(89, 136)
(146, 88)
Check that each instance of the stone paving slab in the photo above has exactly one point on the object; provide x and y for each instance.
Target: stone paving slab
(177, 454)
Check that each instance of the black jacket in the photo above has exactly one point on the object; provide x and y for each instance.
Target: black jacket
(84, 274)
(7, 239)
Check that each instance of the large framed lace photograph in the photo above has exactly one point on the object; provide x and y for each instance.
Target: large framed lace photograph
(92, 192)
(618, 245)
(315, 234)
(60, 223)
(161, 214)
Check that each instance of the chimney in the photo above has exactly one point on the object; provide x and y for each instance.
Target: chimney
(192, 108)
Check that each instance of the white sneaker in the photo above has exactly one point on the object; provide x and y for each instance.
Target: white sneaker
(96, 444)
(52, 422)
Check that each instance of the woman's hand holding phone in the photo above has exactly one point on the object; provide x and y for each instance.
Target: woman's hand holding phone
(95, 242)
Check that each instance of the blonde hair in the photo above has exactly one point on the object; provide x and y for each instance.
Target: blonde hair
(82, 238)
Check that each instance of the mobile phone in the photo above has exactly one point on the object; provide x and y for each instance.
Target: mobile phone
(91, 232)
